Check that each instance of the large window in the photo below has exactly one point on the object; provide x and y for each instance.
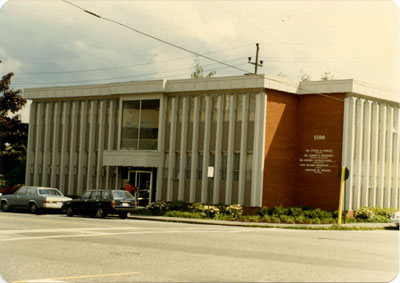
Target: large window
(140, 124)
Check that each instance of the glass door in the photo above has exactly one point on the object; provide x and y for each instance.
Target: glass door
(142, 180)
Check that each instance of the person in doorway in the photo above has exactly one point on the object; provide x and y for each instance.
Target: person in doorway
(130, 188)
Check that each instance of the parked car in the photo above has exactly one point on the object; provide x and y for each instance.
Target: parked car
(395, 218)
(100, 203)
(34, 199)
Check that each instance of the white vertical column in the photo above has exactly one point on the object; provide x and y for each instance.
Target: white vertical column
(218, 148)
(367, 154)
(172, 148)
(72, 149)
(193, 175)
(243, 148)
(349, 142)
(100, 149)
(82, 147)
(111, 131)
(56, 138)
(358, 153)
(230, 153)
(381, 154)
(374, 154)
(64, 143)
(388, 162)
(396, 160)
(206, 149)
(261, 146)
(38, 151)
(92, 134)
(182, 161)
(30, 153)
(46, 148)
(258, 150)
(161, 145)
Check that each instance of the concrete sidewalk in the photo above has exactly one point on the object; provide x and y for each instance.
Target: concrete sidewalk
(257, 224)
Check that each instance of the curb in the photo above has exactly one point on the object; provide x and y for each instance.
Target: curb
(257, 224)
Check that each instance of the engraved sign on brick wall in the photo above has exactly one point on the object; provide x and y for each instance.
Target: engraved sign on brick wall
(318, 160)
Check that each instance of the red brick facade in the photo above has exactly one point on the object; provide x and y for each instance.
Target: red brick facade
(303, 149)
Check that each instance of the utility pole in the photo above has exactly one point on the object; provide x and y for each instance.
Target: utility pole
(256, 65)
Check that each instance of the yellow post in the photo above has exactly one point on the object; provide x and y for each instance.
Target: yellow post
(341, 195)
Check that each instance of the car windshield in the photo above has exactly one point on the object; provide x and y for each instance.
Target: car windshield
(50, 192)
(121, 195)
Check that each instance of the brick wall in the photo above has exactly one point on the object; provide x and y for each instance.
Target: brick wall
(302, 150)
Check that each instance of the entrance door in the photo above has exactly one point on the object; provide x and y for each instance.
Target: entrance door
(142, 180)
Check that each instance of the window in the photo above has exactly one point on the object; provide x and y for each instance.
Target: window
(224, 165)
(22, 191)
(95, 195)
(140, 124)
(236, 166)
(86, 195)
(176, 168)
(188, 165)
(200, 166)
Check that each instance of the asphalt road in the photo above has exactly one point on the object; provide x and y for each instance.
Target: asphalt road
(56, 248)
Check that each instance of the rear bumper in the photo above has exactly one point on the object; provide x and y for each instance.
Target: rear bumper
(124, 209)
(58, 205)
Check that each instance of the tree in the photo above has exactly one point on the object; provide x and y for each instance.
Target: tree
(199, 72)
(327, 76)
(13, 134)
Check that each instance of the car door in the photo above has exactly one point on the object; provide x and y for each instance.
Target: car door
(81, 205)
(94, 201)
(20, 197)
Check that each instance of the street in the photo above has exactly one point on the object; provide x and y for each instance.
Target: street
(56, 248)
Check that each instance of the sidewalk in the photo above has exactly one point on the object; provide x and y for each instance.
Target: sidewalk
(256, 224)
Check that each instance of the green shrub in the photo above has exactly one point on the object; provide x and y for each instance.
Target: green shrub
(262, 211)
(234, 210)
(196, 207)
(223, 217)
(364, 213)
(287, 219)
(211, 210)
(251, 218)
(177, 205)
(385, 212)
(185, 214)
(278, 211)
(157, 208)
(295, 211)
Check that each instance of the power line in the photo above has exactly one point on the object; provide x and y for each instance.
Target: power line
(116, 78)
(155, 38)
(126, 66)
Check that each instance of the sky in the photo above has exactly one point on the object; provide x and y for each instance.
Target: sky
(53, 43)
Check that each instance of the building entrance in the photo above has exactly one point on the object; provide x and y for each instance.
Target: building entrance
(142, 180)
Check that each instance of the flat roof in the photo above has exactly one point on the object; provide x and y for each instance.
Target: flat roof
(245, 82)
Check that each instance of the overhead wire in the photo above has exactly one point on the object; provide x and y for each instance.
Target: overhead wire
(123, 77)
(126, 66)
(155, 38)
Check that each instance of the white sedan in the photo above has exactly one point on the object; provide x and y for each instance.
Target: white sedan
(34, 199)
(395, 218)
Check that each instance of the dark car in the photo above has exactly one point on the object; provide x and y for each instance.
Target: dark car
(100, 203)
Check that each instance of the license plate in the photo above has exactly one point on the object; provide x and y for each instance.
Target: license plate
(125, 204)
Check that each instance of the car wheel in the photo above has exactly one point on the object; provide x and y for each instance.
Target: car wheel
(4, 206)
(123, 215)
(69, 211)
(33, 208)
(100, 213)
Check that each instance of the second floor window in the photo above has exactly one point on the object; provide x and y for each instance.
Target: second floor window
(140, 124)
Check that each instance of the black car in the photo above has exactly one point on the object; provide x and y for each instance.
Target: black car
(100, 203)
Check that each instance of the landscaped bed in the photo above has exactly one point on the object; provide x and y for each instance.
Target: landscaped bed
(291, 215)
